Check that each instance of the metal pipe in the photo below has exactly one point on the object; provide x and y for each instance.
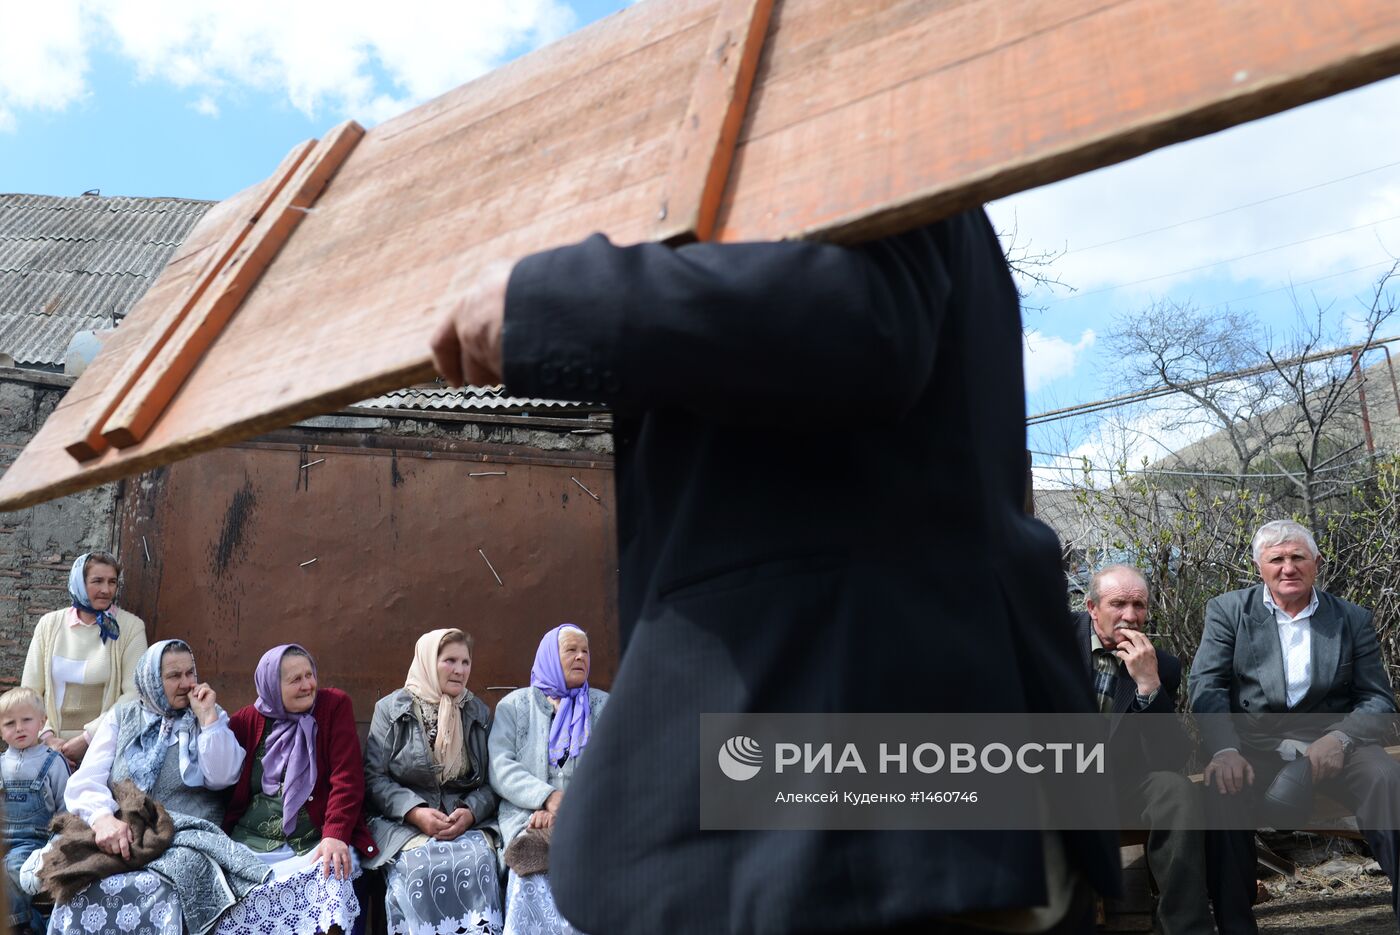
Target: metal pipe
(1394, 388)
(1361, 395)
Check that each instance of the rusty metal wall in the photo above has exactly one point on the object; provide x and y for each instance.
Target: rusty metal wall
(357, 554)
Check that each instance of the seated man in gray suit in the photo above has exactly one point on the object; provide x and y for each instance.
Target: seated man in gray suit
(1285, 648)
(1131, 677)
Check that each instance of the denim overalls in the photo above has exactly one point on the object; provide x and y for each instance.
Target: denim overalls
(26, 830)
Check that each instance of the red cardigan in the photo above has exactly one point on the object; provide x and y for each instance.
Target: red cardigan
(336, 805)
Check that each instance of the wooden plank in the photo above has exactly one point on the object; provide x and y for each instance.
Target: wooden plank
(88, 441)
(997, 107)
(704, 146)
(863, 119)
(220, 294)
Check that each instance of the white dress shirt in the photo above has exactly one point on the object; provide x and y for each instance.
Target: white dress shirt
(89, 796)
(1295, 636)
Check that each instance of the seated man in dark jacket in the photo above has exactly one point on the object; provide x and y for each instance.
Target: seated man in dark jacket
(1131, 677)
(1306, 668)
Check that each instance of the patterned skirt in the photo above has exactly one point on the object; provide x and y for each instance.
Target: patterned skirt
(299, 899)
(135, 903)
(444, 888)
(530, 908)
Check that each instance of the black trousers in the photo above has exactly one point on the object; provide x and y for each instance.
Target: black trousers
(1172, 808)
(1369, 784)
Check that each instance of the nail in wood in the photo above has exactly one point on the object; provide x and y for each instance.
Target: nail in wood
(585, 489)
(490, 566)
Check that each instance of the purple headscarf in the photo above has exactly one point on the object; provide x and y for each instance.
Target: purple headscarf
(569, 732)
(290, 738)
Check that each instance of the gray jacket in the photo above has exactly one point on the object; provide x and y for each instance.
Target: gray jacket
(400, 773)
(519, 754)
(1239, 670)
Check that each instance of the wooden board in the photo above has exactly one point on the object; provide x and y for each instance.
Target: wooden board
(865, 118)
(215, 302)
(704, 143)
(158, 325)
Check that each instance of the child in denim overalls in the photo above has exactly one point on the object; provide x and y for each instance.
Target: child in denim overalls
(34, 778)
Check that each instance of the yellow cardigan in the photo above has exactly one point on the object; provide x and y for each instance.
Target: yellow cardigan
(122, 655)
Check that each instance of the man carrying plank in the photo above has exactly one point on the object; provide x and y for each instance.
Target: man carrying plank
(765, 569)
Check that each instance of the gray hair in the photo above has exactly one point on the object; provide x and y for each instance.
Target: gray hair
(1280, 531)
(1094, 582)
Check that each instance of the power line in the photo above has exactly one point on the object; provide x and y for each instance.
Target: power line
(1168, 473)
(1216, 214)
(1113, 402)
(1243, 256)
(1293, 285)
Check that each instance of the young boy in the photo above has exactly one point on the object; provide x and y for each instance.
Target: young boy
(33, 777)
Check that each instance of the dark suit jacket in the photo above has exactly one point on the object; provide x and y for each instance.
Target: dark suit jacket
(1162, 746)
(820, 485)
(1239, 669)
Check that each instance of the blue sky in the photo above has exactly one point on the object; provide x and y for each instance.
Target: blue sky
(209, 101)
(1301, 209)
(200, 98)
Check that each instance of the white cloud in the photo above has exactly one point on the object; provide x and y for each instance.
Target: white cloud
(1047, 357)
(207, 106)
(1327, 140)
(1131, 438)
(43, 57)
(358, 58)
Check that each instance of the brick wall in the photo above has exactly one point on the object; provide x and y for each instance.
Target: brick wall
(38, 545)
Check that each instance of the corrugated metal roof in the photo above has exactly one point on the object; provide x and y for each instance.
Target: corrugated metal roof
(469, 398)
(74, 264)
(80, 264)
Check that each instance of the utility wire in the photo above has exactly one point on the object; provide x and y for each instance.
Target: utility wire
(1113, 402)
(1243, 256)
(1170, 473)
(1293, 285)
(1216, 214)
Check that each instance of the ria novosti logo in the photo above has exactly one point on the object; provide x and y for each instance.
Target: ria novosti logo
(740, 758)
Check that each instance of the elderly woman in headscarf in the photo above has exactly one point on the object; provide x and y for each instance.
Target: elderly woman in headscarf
(299, 800)
(82, 659)
(426, 772)
(538, 738)
(175, 745)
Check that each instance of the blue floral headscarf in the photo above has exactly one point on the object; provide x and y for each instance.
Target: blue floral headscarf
(107, 624)
(146, 753)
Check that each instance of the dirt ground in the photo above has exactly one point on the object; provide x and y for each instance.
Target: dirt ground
(1338, 890)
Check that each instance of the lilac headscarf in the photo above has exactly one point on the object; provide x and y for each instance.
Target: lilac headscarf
(290, 738)
(569, 732)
